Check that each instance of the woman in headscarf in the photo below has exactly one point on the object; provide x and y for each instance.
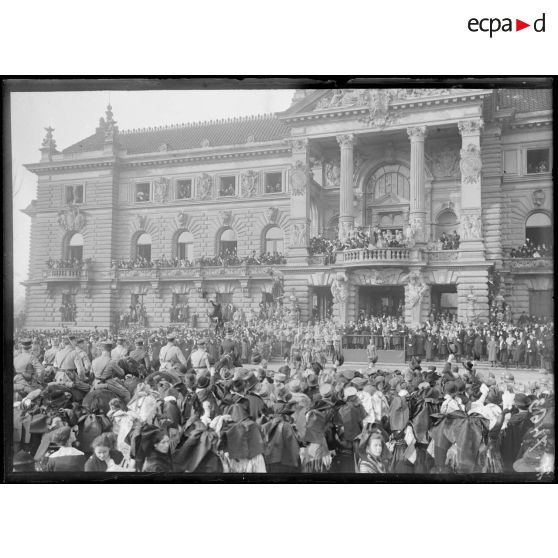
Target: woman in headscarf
(372, 451)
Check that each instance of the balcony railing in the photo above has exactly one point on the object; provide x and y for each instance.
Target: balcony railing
(532, 265)
(65, 274)
(197, 271)
(374, 255)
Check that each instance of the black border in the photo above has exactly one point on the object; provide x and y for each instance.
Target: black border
(137, 83)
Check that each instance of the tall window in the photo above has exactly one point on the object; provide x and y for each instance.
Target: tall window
(389, 180)
(538, 160)
(75, 247)
(184, 189)
(143, 247)
(227, 242)
(538, 229)
(274, 240)
(142, 192)
(185, 248)
(74, 194)
(227, 186)
(272, 182)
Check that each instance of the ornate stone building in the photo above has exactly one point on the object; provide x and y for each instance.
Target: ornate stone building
(425, 161)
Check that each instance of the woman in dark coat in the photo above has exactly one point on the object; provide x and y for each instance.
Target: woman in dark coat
(443, 347)
(516, 353)
(477, 347)
(103, 454)
(428, 348)
(410, 346)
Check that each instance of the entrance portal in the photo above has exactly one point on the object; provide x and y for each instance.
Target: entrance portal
(322, 303)
(444, 299)
(381, 301)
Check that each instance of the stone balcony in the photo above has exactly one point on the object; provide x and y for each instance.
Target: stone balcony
(529, 265)
(65, 275)
(378, 256)
(196, 272)
(442, 256)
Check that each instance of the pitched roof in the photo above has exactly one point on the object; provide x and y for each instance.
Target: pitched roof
(525, 100)
(233, 131)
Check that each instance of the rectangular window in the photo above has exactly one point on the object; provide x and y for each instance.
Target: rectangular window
(273, 182)
(184, 189)
(541, 303)
(227, 186)
(538, 160)
(510, 162)
(74, 194)
(142, 192)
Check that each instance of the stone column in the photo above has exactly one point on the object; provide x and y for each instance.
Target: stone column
(472, 244)
(417, 210)
(346, 215)
(300, 202)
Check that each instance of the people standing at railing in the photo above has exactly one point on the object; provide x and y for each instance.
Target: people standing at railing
(531, 250)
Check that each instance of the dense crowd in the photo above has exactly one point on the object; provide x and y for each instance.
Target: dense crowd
(70, 263)
(531, 250)
(180, 402)
(359, 238)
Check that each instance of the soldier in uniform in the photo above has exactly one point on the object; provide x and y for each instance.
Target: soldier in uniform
(199, 358)
(82, 361)
(140, 355)
(104, 367)
(120, 351)
(50, 354)
(27, 368)
(171, 355)
(66, 363)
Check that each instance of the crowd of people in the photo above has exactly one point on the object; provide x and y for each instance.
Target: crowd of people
(206, 401)
(66, 264)
(449, 241)
(531, 250)
(358, 238)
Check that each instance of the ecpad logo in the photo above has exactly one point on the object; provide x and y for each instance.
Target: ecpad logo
(494, 24)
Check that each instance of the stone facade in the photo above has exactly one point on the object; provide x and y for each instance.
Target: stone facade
(402, 158)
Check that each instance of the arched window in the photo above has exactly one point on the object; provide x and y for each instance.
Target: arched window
(227, 243)
(274, 240)
(389, 180)
(447, 223)
(143, 247)
(75, 247)
(538, 229)
(185, 247)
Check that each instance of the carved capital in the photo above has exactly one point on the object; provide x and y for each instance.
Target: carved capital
(416, 133)
(298, 144)
(469, 127)
(346, 140)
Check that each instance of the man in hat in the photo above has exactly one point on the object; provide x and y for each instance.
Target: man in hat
(104, 367)
(199, 358)
(512, 436)
(171, 355)
(140, 355)
(257, 404)
(26, 361)
(48, 359)
(120, 351)
(230, 347)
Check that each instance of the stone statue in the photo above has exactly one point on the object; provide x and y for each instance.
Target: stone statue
(249, 184)
(417, 288)
(160, 190)
(466, 228)
(476, 226)
(339, 289)
(333, 174)
(299, 234)
(205, 183)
